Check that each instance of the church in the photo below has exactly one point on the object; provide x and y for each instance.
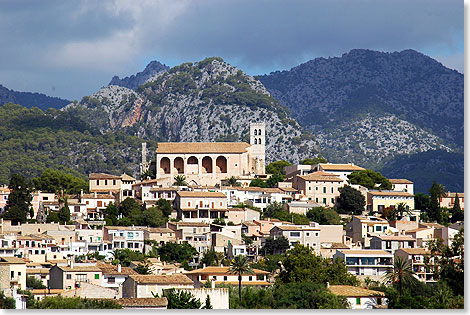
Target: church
(207, 163)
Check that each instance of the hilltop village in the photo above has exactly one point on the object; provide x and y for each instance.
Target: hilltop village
(205, 210)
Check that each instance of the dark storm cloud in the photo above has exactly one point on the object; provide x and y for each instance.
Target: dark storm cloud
(76, 46)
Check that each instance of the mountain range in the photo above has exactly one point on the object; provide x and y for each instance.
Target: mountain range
(399, 113)
(29, 99)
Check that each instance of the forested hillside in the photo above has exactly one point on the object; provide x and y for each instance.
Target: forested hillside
(32, 140)
(29, 100)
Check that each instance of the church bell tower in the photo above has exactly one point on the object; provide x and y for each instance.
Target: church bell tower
(258, 147)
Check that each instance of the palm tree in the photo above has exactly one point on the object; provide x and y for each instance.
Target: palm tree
(180, 180)
(402, 273)
(239, 265)
(232, 181)
(401, 209)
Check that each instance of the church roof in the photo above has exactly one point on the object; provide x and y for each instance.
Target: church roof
(201, 147)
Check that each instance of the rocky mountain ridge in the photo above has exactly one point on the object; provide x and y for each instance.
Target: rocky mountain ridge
(133, 81)
(209, 100)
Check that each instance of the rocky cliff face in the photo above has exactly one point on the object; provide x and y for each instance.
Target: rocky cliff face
(206, 101)
(372, 108)
(133, 81)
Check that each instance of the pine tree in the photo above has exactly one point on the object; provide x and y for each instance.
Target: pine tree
(457, 213)
(64, 213)
(208, 304)
(19, 201)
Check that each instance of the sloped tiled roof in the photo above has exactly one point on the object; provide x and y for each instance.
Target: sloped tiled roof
(340, 167)
(201, 147)
(220, 270)
(296, 228)
(416, 251)
(108, 269)
(102, 176)
(348, 290)
(201, 194)
(321, 176)
(400, 181)
(390, 193)
(127, 177)
(98, 196)
(162, 279)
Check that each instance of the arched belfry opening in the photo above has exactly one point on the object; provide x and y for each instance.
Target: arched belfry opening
(165, 165)
(179, 165)
(221, 164)
(207, 165)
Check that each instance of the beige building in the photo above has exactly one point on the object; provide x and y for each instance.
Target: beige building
(403, 185)
(378, 200)
(70, 277)
(362, 228)
(160, 235)
(208, 163)
(144, 286)
(449, 200)
(12, 274)
(104, 183)
(360, 298)
(416, 257)
(203, 206)
(222, 275)
(320, 187)
(303, 234)
(342, 170)
(239, 215)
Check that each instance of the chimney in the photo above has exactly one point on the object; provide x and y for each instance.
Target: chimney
(203, 265)
(119, 268)
(94, 194)
(327, 284)
(71, 262)
(81, 193)
(213, 284)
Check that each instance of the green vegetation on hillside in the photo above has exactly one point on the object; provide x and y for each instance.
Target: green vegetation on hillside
(32, 141)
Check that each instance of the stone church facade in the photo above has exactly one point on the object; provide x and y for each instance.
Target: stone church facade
(207, 163)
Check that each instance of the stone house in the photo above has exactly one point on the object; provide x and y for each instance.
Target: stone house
(319, 187)
(403, 185)
(378, 200)
(449, 200)
(120, 237)
(160, 235)
(392, 243)
(303, 234)
(360, 298)
(200, 206)
(70, 276)
(222, 275)
(12, 274)
(144, 286)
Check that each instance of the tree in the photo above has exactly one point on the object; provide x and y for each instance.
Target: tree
(19, 200)
(143, 269)
(239, 266)
(128, 206)
(422, 201)
(306, 295)
(396, 212)
(180, 180)
(64, 213)
(401, 274)
(457, 213)
(232, 181)
(211, 258)
(275, 246)
(125, 256)
(257, 182)
(208, 305)
(6, 302)
(447, 262)
(52, 216)
(300, 264)
(274, 179)
(52, 180)
(59, 302)
(165, 206)
(369, 179)
(437, 192)
(179, 299)
(314, 161)
(271, 209)
(34, 283)
(111, 213)
(351, 200)
(324, 216)
(219, 221)
(171, 252)
(154, 217)
(277, 167)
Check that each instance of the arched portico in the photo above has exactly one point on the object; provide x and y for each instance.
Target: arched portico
(221, 164)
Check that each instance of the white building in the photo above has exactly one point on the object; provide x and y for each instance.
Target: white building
(372, 263)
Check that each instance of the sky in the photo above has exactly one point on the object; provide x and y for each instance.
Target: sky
(71, 49)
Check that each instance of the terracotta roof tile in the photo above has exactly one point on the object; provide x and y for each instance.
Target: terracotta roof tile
(400, 181)
(201, 194)
(347, 290)
(416, 251)
(321, 176)
(98, 196)
(127, 177)
(389, 193)
(341, 167)
(201, 147)
(162, 279)
(221, 270)
(102, 176)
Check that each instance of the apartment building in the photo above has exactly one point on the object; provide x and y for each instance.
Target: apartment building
(131, 237)
(200, 206)
(417, 258)
(392, 243)
(319, 187)
(372, 263)
(302, 234)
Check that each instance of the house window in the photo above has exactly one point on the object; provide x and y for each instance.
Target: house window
(410, 244)
(379, 301)
(378, 228)
(324, 201)
(316, 199)
(97, 182)
(316, 188)
(309, 188)
(97, 275)
(331, 189)
(308, 234)
(324, 190)
(111, 280)
(225, 278)
(250, 278)
(388, 244)
(316, 234)
(12, 274)
(295, 234)
(105, 182)
(114, 182)
(358, 301)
